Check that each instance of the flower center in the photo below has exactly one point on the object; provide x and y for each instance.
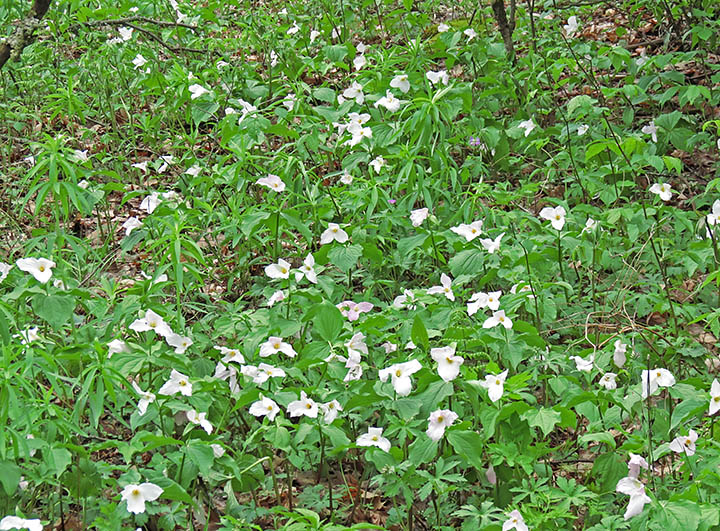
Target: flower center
(308, 406)
(398, 373)
(283, 270)
(474, 231)
(182, 383)
(136, 492)
(658, 374)
(449, 360)
(502, 319)
(269, 408)
(42, 269)
(375, 438)
(276, 346)
(440, 418)
(497, 382)
(688, 442)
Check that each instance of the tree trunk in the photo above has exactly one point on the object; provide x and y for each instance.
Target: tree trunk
(506, 25)
(24, 31)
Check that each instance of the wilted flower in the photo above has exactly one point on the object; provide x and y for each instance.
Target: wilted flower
(178, 383)
(438, 421)
(651, 380)
(663, 190)
(636, 462)
(274, 182)
(406, 300)
(40, 268)
(685, 444)
(137, 495)
(274, 345)
(374, 437)
(494, 384)
(131, 224)
(619, 357)
(333, 233)
(556, 216)
(445, 288)
(400, 373)
(448, 362)
(389, 347)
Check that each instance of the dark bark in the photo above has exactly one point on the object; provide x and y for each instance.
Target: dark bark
(24, 31)
(506, 25)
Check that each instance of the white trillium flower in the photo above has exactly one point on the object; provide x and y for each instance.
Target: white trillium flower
(305, 406)
(497, 318)
(636, 490)
(218, 451)
(468, 231)
(712, 218)
(293, 29)
(137, 495)
(714, 397)
(178, 383)
(490, 245)
(406, 300)
(438, 421)
(583, 364)
(651, 380)
(470, 34)
(274, 182)
(289, 101)
(40, 268)
(528, 126)
(439, 76)
(374, 437)
(131, 224)
(442, 27)
(276, 297)
(400, 376)
(346, 178)
(358, 133)
(377, 163)
(314, 34)
(4, 270)
(179, 342)
(333, 233)
(230, 355)
(619, 356)
(445, 288)
(448, 362)
(227, 372)
(116, 346)
(352, 310)
(418, 216)
(356, 347)
(608, 381)
(401, 83)
(571, 27)
(389, 347)
(150, 202)
(151, 321)
(139, 61)
(146, 398)
(582, 129)
(141, 165)
(651, 129)
(389, 101)
(663, 190)
(274, 345)
(279, 270)
(685, 444)
(354, 92)
(307, 270)
(28, 335)
(15, 522)
(197, 90)
(359, 61)
(330, 411)
(125, 33)
(494, 384)
(265, 407)
(635, 464)
(199, 418)
(515, 521)
(555, 215)
(262, 373)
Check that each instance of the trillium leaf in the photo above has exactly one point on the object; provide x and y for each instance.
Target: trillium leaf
(9, 476)
(56, 310)
(328, 321)
(468, 444)
(201, 455)
(681, 514)
(419, 334)
(422, 450)
(543, 418)
(345, 257)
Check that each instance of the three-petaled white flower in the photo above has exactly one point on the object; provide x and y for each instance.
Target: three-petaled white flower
(230, 354)
(274, 182)
(401, 82)
(305, 406)
(445, 288)
(146, 398)
(356, 347)
(330, 411)
(406, 300)
(181, 343)
(353, 92)
(40, 268)
(528, 126)
(389, 101)
(664, 190)
(651, 380)
(636, 490)
(15, 522)
(651, 129)
(494, 384)
(442, 27)
(178, 383)
(470, 34)
(448, 362)
(583, 364)
(377, 163)
(400, 374)
(374, 437)
(515, 521)
(264, 407)
(352, 310)
(197, 90)
(555, 215)
(608, 381)
(438, 421)
(199, 418)
(498, 318)
(714, 397)
(333, 233)
(137, 495)
(418, 216)
(571, 27)
(274, 345)
(279, 270)
(491, 245)
(468, 231)
(151, 321)
(262, 373)
(307, 270)
(439, 76)
(685, 443)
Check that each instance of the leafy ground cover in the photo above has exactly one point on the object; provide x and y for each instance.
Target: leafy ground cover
(359, 265)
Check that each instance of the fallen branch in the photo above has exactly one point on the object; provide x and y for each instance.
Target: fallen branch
(24, 32)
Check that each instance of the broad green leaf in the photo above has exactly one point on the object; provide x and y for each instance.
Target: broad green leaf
(683, 514)
(201, 454)
(543, 418)
(419, 334)
(328, 321)
(345, 257)
(468, 444)
(56, 310)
